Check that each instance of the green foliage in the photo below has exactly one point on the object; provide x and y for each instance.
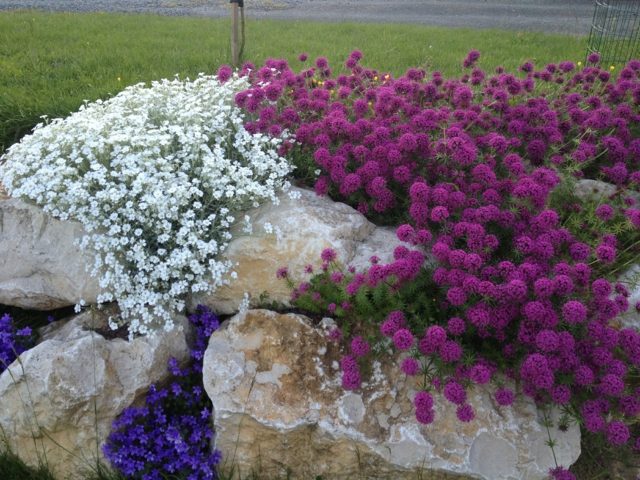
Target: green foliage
(13, 468)
(579, 217)
(368, 307)
(598, 461)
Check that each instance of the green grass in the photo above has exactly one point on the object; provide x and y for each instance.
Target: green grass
(50, 63)
(12, 468)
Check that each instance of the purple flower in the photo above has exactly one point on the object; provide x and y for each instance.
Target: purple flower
(456, 326)
(403, 339)
(455, 393)
(172, 433)
(423, 400)
(359, 346)
(425, 416)
(328, 255)
(322, 63)
(439, 214)
(593, 58)
(394, 321)
(561, 473)
(611, 385)
(456, 296)
(480, 374)
(535, 369)
(574, 312)
(547, 341)
(351, 379)
(335, 334)
(282, 272)
(617, 433)
(561, 394)
(224, 73)
(504, 396)
(410, 366)
(601, 288)
(450, 351)
(605, 212)
(606, 253)
(465, 413)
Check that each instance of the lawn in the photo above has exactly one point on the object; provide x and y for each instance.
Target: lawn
(51, 63)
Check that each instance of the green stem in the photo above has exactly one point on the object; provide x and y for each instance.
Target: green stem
(551, 442)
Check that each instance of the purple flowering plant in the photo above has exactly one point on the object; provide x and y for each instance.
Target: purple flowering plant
(504, 275)
(13, 340)
(171, 435)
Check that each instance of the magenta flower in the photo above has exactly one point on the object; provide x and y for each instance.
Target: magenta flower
(465, 413)
(504, 396)
(359, 346)
(617, 433)
(403, 339)
(455, 393)
(410, 366)
(224, 73)
(328, 255)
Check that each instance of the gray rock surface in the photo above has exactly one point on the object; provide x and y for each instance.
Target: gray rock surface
(279, 407)
(588, 189)
(631, 280)
(60, 398)
(40, 267)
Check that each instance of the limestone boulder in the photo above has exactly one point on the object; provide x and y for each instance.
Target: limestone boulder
(60, 398)
(292, 234)
(40, 266)
(279, 409)
(589, 189)
(631, 279)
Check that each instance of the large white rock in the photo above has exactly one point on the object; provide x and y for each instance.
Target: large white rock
(631, 279)
(40, 267)
(588, 189)
(597, 190)
(279, 407)
(302, 227)
(60, 398)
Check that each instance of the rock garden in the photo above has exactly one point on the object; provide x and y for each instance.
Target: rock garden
(316, 271)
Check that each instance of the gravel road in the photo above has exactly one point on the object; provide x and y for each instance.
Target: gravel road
(565, 16)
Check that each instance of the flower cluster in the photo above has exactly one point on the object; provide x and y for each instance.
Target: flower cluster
(468, 170)
(171, 435)
(156, 176)
(13, 341)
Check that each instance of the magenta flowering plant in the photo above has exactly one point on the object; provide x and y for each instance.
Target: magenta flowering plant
(479, 174)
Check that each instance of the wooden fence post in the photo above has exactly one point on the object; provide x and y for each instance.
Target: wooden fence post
(235, 50)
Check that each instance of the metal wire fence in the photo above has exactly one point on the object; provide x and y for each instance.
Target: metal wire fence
(615, 31)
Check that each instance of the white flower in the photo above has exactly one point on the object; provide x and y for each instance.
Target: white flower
(156, 175)
(244, 304)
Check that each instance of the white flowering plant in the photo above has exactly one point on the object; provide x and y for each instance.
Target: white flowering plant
(156, 175)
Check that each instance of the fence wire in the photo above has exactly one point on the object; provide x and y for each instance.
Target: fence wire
(615, 31)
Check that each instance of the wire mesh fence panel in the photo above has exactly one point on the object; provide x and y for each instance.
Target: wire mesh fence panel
(615, 31)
